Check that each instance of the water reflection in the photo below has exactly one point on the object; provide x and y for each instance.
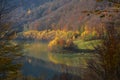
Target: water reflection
(36, 49)
(38, 67)
(38, 61)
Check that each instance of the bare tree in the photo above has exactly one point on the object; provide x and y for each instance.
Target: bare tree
(107, 67)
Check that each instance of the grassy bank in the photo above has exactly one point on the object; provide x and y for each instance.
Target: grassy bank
(87, 44)
(76, 59)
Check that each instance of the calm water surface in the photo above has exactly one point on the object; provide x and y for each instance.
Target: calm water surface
(38, 61)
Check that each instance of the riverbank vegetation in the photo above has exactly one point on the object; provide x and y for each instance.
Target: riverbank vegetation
(61, 40)
(47, 34)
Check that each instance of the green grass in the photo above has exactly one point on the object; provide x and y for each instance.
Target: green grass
(76, 59)
(87, 44)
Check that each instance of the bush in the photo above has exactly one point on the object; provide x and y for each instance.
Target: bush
(59, 45)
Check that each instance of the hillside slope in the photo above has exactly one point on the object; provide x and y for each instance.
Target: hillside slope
(57, 14)
(66, 14)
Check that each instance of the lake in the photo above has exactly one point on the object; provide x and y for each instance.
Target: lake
(39, 62)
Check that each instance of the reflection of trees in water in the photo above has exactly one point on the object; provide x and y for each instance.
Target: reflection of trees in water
(66, 76)
(57, 69)
(71, 59)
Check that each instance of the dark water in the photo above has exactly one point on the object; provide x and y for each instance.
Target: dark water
(37, 62)
(38, 68)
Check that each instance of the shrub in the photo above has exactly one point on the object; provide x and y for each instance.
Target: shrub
(59, 45)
